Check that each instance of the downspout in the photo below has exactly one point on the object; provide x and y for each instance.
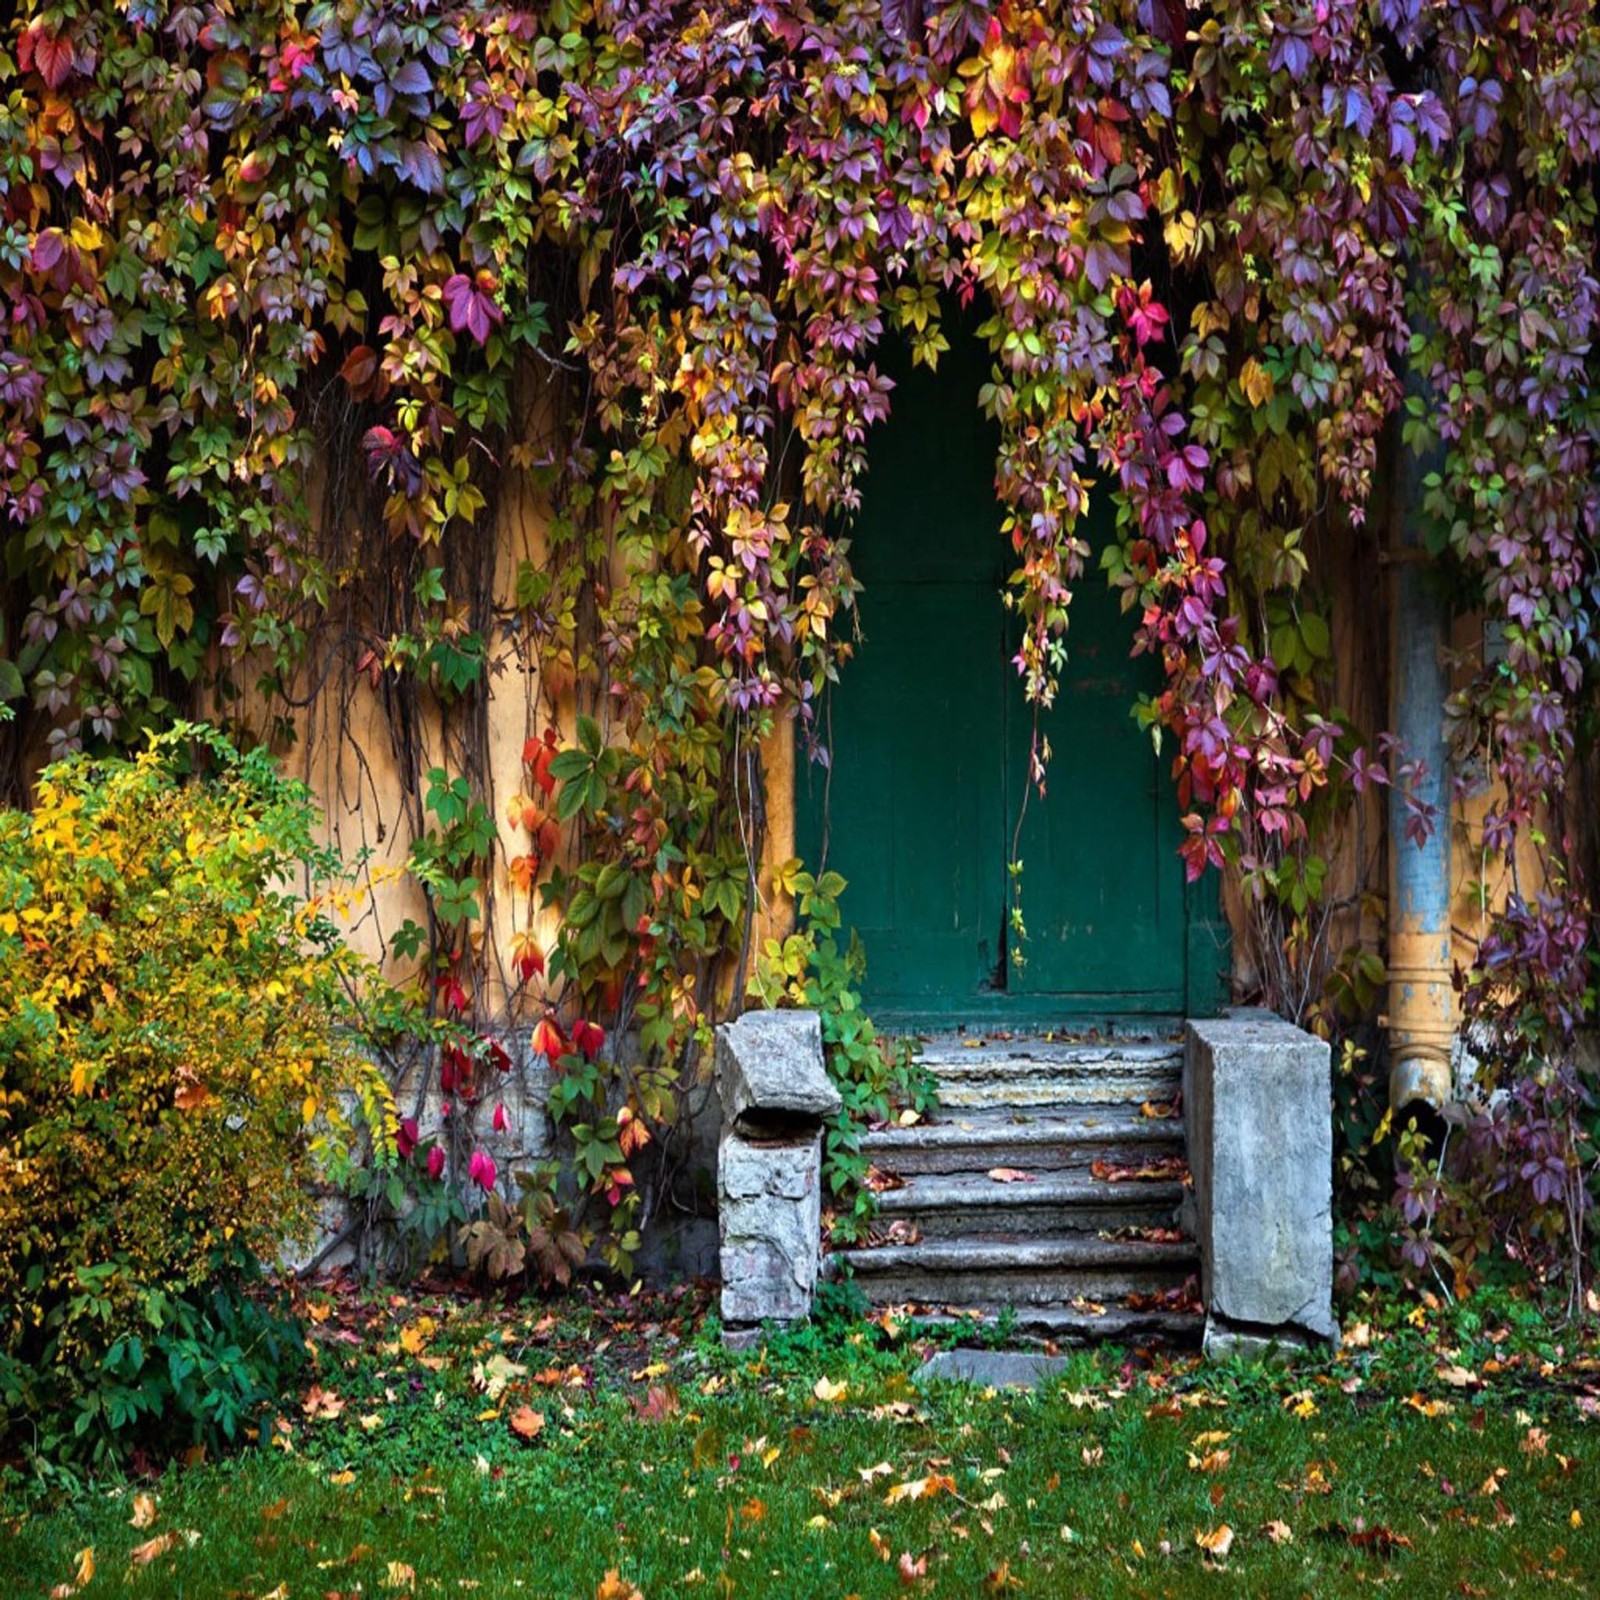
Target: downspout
(1422, 1007)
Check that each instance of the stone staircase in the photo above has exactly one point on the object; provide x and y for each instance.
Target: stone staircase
(1048, 1183)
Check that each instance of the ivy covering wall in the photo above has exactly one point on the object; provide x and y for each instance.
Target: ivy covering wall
(299, 293)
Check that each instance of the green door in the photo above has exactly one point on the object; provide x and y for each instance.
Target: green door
(929, 734)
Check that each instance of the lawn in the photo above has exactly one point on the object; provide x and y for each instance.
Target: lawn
(448, 1446)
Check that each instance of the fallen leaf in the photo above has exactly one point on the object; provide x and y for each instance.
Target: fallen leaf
(828, 1391)
(321, 1404)
(658, 1404)
(398, 1575)
(881, 1470)
(144, 1511)
(1359, 1337)
(1217, 1542)
(880, 1544)
(912, 1571)
(1458, 1377)
(85, 1565)
(1381, 1540)
(919, 1488)
(1279, 1532)
(615, 1587)
(527, 1423)
(340, 1479)
(143, 1554)
(493, 1375)
(1009, 1175)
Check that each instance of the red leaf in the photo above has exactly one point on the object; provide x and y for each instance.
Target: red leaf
(50, 55)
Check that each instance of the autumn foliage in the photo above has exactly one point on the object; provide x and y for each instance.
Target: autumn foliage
(168, 1070)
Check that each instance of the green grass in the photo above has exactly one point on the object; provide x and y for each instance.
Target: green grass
(733, 1478)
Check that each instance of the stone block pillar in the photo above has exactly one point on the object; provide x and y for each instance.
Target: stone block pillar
(1257, 1098)
(775, 1092)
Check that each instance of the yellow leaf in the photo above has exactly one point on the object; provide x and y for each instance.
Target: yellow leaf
(1180, 233)
(85, 1559)
(1576, 1519)
(829, 1392)
(399, 1575)
(1256, 382)
(144, 1511)
(1217, 1543)
(1279, 1533)
(340, 1479)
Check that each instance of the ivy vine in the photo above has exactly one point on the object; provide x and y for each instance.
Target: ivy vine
(304, 294)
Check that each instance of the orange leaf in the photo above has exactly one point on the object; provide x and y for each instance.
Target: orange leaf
(527, 1423)
(615, 1587)
(143, 1554)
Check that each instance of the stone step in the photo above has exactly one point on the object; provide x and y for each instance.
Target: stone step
(964, 1204)
(990, 1271)
(1070, 1139)
(1036, 1071)
(1080, 1325)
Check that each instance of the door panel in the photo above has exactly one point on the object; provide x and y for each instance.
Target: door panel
(1102, 890)
(913, 809)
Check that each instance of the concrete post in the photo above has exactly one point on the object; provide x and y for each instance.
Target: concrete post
(1257, 1100)
(775, 1091)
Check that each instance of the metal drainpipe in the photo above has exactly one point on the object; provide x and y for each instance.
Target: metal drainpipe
(1422, 1005)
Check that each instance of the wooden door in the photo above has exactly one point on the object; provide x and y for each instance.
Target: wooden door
(929, 733)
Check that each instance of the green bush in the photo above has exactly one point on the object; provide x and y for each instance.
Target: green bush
(171, 1076)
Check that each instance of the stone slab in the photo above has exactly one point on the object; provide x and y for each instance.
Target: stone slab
(992, 1369)
(770, 1070)
(1258, 1111)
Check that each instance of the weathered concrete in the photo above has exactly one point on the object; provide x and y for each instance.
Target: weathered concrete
(771, 1073)
(1258, 1109)
(770, 1208)
(773, 1082)
(994, 1369)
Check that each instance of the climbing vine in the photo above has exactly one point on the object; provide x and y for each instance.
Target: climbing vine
(307, 296)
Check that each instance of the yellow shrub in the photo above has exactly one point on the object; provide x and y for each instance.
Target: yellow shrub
(169, 1059)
